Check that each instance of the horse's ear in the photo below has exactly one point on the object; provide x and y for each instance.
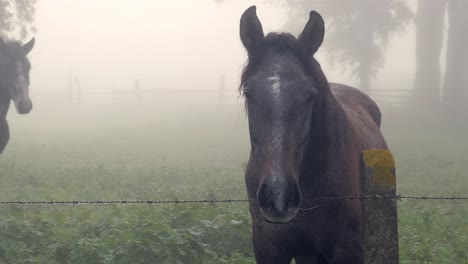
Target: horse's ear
(251, 31)
(312, 36)
(29, 46)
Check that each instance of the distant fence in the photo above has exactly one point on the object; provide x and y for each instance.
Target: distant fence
(399, 99)
(74, 95)
(137, 97)
(392, 97)
(134, 98)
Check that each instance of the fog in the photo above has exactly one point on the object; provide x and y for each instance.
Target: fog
(171, 44)
(138, 100)
(85, 50)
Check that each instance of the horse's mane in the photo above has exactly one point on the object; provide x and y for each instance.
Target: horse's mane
(10, 49)
(282, 43)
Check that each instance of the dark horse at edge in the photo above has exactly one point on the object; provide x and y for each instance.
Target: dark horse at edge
(306, 141)
(14, 83)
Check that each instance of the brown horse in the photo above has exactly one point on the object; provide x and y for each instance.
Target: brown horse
(14, 82)
(306, 140)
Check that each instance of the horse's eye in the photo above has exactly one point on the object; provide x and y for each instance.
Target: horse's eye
(311, 96)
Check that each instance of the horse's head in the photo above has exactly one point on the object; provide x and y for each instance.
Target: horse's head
(15, 73)
(280, 89)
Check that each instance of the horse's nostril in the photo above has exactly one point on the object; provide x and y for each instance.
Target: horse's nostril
(294, 197)
(24, 107)
(262, 198)
(279, 202)
(279, 199)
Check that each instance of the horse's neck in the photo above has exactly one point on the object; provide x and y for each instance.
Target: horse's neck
(4, 105)
(330, 127)
(330, 143)
(4, 93)
(5, 98)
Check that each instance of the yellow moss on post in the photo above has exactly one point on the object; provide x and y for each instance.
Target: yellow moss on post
(383, 164)
(380, 220)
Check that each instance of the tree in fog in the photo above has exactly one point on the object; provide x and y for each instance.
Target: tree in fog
(429, 23)
(358, 32)
(455, 85)
(16, 18)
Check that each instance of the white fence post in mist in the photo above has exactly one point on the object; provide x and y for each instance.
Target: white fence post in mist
(113, 96)
(221, 89)
(69, 90)
(78, 90)
(137, 94)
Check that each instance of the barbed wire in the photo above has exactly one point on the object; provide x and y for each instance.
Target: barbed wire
(216, 201)
(123, 202)
(388, 197)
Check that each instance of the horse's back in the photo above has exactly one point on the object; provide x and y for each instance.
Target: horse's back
(363, 113)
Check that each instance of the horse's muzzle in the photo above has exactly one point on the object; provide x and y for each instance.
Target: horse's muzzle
(24, 106)
(279, 202)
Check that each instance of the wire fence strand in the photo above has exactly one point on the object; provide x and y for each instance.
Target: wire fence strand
(217, 201)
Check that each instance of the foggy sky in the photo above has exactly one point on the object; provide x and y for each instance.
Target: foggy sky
(182, 44)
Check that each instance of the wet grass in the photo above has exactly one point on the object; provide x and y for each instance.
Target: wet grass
(189, 152)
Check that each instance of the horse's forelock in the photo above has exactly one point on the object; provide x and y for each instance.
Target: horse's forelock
(282, 43)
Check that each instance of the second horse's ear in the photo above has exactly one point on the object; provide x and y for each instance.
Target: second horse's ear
(312, 36)
(29, 46)
(251, 31)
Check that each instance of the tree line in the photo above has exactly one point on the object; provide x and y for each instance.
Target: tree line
(359, 31)
(17, 18)
(358, 34)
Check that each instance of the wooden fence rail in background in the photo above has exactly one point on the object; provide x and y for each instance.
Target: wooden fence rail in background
(389, 99)
(137, 96)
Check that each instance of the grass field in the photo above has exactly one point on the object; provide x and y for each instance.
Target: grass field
(190, 151)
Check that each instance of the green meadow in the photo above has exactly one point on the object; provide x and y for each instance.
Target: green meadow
(181, 150)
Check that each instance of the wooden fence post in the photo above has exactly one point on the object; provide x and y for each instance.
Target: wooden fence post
(113, 96)
(69, 91)
(380, 220)
(137, 94)
(78, 90)
(221, 90)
